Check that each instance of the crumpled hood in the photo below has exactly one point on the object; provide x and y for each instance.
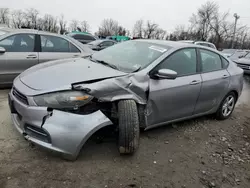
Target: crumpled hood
(61, 73)
(243, 61)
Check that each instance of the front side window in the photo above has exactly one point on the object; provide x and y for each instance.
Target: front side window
(56, 44)
(131, 55)
(19, 43)
(184, 62)
(210, 61)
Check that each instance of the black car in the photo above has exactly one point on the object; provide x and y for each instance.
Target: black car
(83, 37)
(101, 44)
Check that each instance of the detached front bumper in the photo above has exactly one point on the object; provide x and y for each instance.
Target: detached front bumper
(57, 130)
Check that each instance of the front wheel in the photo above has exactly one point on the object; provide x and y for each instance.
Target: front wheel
(128, 140)
(227, 106)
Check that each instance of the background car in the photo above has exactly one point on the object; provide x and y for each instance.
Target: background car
(238, 54)
(202, 43)
(23, 48)
(228, 52)
(82, 37)
(101, 44)
(244, 63)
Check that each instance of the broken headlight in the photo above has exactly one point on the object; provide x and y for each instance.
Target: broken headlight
(63, 100)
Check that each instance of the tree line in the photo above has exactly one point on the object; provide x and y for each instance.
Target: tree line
(207, 24)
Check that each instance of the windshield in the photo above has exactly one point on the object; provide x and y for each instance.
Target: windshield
(82, 46)
(228, 51)
(248, 55)
(130, 56)
(239, 53)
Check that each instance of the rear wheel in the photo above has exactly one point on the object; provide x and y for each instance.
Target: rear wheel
(128, 139)
(227, 106)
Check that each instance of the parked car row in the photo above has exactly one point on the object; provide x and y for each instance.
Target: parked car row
(21, 49)
(130, 85)
(240, 57)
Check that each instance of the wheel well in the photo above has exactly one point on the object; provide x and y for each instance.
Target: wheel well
(236, 94)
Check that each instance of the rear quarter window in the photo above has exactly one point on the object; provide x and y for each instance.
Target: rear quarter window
(225, 63)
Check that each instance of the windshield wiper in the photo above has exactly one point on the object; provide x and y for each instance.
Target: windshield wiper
(103, 62)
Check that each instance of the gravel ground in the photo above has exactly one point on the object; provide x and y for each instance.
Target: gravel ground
(200, 153)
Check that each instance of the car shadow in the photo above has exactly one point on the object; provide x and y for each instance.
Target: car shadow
(102, 145)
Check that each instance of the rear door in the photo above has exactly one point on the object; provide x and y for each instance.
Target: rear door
(19, 55)
(215, 81)
(55, 47)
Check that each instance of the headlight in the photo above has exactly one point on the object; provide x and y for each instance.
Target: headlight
(64, 99)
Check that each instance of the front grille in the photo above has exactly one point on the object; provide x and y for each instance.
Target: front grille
(37, 132)
(243, 66)
(21, 97)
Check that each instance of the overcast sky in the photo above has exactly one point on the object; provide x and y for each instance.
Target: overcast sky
(167, 13)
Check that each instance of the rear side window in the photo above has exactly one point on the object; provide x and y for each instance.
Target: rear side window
(210, 61)
(56, 44)
(83, 37)
(225, 63)
(107, 43)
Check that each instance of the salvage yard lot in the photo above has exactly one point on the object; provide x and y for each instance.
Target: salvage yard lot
(198, 153)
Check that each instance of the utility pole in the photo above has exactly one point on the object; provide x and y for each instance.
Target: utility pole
(236, 16)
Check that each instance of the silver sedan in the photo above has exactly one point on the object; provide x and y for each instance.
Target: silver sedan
(23, 48)
(131, 85)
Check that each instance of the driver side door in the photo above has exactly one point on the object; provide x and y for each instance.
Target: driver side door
(173, 99)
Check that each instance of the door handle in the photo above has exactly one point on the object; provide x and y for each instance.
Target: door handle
(76, 55)
(194, 82)
(31, 56)
(225, 76)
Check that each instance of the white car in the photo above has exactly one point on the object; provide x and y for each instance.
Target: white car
(202, 43)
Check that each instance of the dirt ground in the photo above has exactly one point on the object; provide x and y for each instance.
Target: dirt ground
(200, 153)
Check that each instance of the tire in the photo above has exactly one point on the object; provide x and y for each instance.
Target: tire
(128, 139)
(220, 114)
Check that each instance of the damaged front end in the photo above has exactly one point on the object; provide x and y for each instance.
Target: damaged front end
(108, 91)
(63, 121)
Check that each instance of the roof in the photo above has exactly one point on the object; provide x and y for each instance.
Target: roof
(173, 44)
(80, 32)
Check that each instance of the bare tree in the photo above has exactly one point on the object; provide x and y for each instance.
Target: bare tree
(17, 18)
(201, 21)
(74, 25)
(31, 16)
(150, 29)
(49, 23)
(160, 34)
(121, 31)
(127, 33)
(138, 29)
(62, 24)
(85, 27)
(108, 27)
(4, 16)
(220, 27)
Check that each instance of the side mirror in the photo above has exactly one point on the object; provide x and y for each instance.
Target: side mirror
(166, 74)
(2, 50)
